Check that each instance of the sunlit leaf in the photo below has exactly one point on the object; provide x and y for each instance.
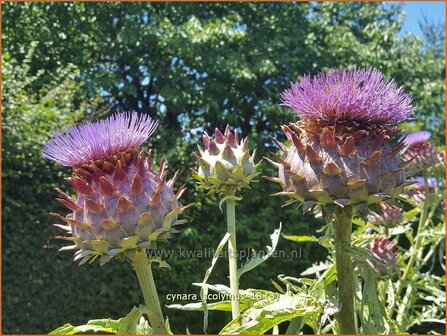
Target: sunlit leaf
(257, 260)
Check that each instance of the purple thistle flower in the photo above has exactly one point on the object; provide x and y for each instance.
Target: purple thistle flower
(419, 152)
(360, 95)
(416, 138)
(432, 182)
(121, 204)
(418, 192)
(77, 145)
(342, 151)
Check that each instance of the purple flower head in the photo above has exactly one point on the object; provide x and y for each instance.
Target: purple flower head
(77, 145)
(418, 192)
(416, 138)
(420, 153)
(359, 95)
(432, 182)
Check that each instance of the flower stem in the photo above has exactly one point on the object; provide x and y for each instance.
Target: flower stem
(232, 256)
(144, 274)
(345, 272)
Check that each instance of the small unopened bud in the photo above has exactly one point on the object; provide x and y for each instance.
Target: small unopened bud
(383, 250)
(226, 163)
(389, 215)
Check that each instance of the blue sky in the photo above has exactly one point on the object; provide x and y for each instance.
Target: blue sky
(415, 11)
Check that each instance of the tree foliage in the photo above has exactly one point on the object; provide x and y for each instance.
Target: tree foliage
(193, 66)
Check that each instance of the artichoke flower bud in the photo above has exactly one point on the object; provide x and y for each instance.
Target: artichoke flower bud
(420, 153)
(421, 185)
(341, 152)
(120, 204)
(225, 164)
(383, 250)
(390, 215)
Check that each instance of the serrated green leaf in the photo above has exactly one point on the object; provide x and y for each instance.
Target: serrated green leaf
(257, 260)
(128, 324)
(266, 314)
(203, 289)
(300, 239)
(372, 314)
(101, 325)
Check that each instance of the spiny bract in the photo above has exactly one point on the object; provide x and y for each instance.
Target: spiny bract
(226, 164)
(340, 153)
(121, 209)
(339, 165)
(121, 204)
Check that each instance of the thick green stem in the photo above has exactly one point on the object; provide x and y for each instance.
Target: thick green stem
(144, 274)
(232, 256)
(345, 272)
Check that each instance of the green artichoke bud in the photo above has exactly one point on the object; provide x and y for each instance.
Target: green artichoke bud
(225, 164)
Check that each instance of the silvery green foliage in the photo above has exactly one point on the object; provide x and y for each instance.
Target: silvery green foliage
(134, 323)
(262, 310)
(418, 298)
